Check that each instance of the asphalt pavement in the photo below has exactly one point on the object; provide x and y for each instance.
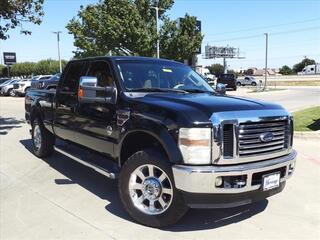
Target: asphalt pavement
(57, 198)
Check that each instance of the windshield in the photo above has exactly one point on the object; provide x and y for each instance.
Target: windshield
(162, 76)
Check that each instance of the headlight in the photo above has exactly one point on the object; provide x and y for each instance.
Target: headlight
(195, 145)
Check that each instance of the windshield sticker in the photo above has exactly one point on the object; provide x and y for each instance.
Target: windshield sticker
(167, 70)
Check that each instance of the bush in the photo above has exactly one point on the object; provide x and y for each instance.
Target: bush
(285, 70)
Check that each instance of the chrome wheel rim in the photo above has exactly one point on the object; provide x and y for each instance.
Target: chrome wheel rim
(12, 93)
(150, 189)
(37, 137)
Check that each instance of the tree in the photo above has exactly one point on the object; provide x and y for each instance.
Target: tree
(129, 27)
(285, 70)
(299, 66)
(249, 72)
(180, 42)
(14, 13)
(216, 69)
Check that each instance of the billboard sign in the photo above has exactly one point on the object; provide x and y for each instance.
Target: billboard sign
(9, 58)
(221, 52)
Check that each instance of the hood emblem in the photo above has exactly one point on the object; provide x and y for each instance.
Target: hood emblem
(266, 137)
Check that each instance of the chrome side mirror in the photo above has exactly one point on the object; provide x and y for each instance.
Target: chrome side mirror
(221, 88)
(89, 91)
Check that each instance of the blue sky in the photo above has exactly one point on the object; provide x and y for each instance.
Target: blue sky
(294, 28)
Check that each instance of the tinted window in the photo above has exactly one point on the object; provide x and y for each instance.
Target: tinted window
(72, 77)
(163, 75)
(101, 71)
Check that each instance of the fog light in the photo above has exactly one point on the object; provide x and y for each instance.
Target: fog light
(218, 181)
(291, 168)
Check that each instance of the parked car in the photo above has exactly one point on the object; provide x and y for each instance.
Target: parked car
(22, 87)
(229, 80)
(35, 80)
(2, 80)
(7, 89)
(248, 80)
(5, 83)
(50, 83)
(172, 141)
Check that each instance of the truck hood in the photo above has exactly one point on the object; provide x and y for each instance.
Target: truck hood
(194, 108)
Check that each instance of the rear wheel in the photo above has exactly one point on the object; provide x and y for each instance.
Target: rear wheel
(42, 139)
(253, 84)
(147, 189)
(238, 84)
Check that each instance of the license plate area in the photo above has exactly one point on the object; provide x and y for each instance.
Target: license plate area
(271, 181)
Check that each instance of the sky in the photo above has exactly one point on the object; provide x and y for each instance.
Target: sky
(293, 27)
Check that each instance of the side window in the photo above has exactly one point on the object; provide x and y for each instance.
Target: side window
(101, 70)
(72, 77)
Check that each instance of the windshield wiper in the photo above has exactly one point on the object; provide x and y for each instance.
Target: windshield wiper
(158, 90)
(194, 90)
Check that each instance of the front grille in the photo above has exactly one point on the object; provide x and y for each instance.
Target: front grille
(250, 142)
(15, 85)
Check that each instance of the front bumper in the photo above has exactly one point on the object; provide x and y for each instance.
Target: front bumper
(201, 179)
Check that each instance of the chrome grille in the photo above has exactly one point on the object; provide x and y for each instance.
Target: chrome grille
(249, 138)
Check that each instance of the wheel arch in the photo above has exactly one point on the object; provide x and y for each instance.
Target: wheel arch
(139, 139)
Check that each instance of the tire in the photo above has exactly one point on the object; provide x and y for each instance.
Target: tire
(11, 92)
(235, 89)
(42, 140)
(253, 84)
(158, 216)
(26, 90)
(238, 84)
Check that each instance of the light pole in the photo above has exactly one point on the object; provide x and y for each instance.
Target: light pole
(58, 40)
(157, 26)
(266, 64)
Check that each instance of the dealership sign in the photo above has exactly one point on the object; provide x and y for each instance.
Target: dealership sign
(9, 58)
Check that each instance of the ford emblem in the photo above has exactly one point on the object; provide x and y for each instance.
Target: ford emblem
(266, 137)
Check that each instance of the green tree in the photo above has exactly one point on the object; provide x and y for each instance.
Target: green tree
(129, 27)
(216, 69)
(285, 70)
(180, 42)
(299, 66)
(15, 13)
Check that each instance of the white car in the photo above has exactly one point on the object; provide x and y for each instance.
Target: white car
(7, 89)
(248, 80)
(22, 87)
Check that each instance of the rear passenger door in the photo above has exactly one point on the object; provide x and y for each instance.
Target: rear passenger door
(67, 100)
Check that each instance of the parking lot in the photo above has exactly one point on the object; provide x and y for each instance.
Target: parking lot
(62, 199)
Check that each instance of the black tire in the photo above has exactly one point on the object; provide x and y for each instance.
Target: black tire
(26, 90)
(175, 210)
(47, 139)
(254, 84)
(11, 93)
(238, 84)
(235, 89)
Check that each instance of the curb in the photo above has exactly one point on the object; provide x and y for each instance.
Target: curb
(306, 135)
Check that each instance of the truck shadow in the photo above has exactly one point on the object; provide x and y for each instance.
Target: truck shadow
(106, 189)
(8, 123)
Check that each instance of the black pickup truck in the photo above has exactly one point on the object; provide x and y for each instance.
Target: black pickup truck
(171, 140)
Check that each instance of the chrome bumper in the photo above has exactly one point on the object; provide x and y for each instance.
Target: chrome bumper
(201, 179)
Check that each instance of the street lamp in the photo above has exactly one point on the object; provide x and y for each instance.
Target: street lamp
(157, 26)
(58, 40)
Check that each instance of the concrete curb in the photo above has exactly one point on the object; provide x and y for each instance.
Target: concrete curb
(305, 135)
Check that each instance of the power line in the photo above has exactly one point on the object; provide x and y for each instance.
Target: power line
(271, 33)
(269, 26)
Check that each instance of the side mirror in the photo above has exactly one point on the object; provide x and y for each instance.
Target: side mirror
(221, 88)
(89, 91)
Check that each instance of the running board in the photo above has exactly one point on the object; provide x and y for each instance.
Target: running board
(96, 168)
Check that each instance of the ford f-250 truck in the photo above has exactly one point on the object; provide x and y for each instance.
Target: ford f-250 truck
(171, 140)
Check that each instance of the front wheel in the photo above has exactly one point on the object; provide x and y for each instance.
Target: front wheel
(147, 190)
(11, 93)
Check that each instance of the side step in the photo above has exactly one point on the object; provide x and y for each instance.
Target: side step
(91, 165)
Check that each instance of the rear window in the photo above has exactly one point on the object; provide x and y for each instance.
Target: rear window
(227, 77)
